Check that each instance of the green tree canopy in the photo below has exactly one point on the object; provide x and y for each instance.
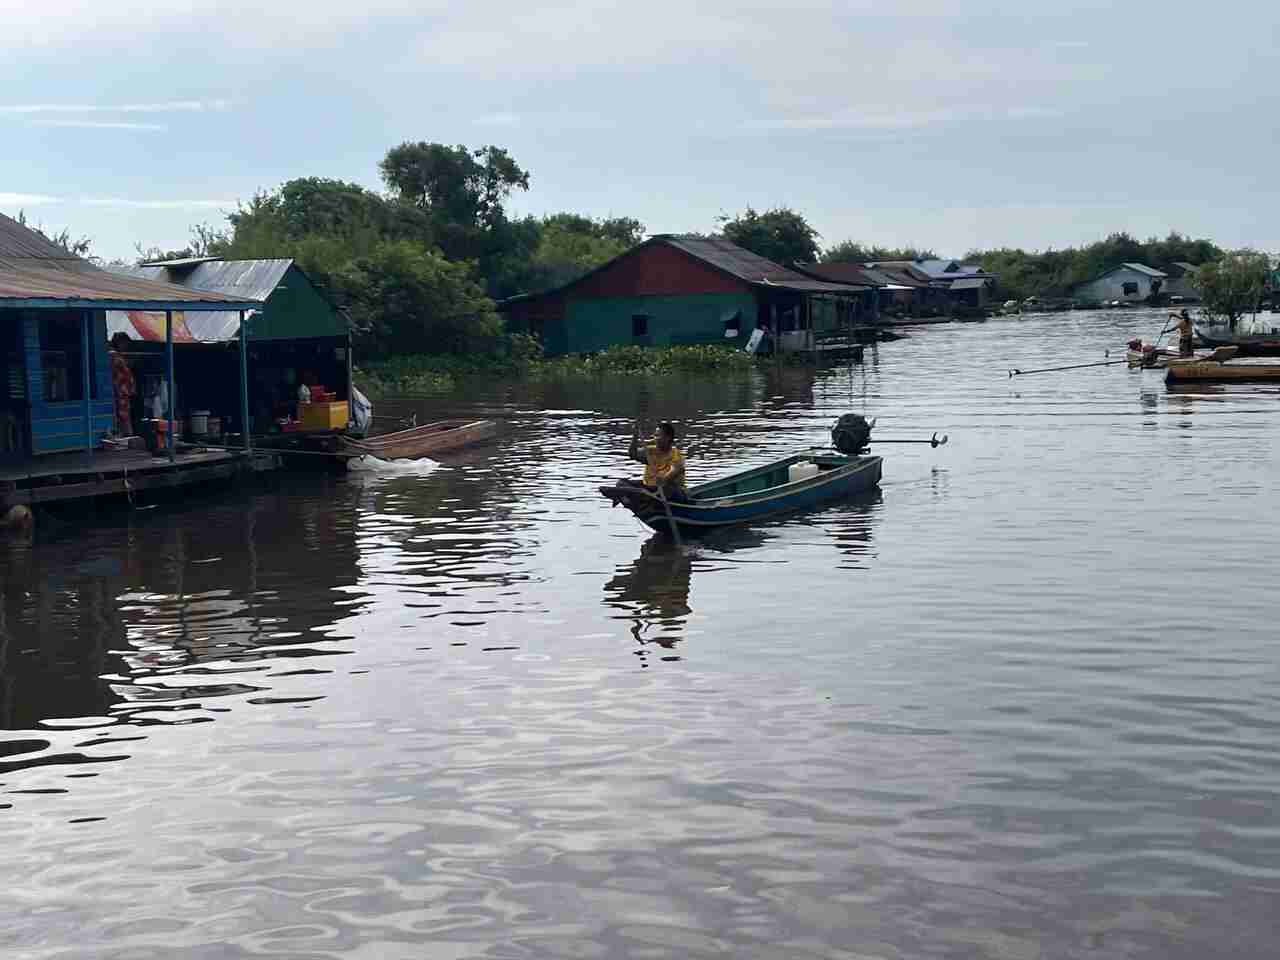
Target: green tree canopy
(1233, 285)
(780, 235)
(850, 251)
(407, 300)
(458, 185)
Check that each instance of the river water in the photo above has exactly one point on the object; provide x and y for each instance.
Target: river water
(1022, 703)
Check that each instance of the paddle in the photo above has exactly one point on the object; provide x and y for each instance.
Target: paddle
(671, 521)
(1073, 366)
(934, 441)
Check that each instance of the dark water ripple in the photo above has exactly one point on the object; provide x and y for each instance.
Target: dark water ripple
(1021, 703)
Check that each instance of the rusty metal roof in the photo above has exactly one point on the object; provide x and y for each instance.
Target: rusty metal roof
(844, 272)
(37, 273)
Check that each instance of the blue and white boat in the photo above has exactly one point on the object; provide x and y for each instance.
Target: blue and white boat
(794, 483)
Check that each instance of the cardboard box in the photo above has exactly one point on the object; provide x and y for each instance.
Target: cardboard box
(324, 416)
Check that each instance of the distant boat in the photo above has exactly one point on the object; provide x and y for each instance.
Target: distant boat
(1209, 371)
(442, 436)
(1249, 344)
(798, 482)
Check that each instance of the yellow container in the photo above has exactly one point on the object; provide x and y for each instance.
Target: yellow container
(324, 416)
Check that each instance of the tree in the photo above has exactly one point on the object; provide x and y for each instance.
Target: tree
(780, 235)
(457, 185)
(76, 246)
(849, 251)
(1233, 286)
(407, 300)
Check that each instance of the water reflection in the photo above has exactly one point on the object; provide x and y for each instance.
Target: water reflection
(654, 591)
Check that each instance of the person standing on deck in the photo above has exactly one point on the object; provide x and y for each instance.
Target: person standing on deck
(663, 463)
(1186, 331)
(123, 385)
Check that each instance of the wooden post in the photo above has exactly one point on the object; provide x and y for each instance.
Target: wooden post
(84, 379)
(168, 360)
(244, 382)
(351, 385)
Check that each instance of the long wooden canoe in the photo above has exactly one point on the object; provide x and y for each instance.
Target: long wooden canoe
(753, 494)
(1207, 371)
(427, 440)
(1249, 344)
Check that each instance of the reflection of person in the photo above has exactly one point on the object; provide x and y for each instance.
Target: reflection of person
(1186, 331)
(123, 385)
(655, 590)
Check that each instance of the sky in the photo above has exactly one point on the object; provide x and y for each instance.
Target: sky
(956, 126)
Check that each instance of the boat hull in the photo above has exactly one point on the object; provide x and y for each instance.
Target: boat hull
(1248, 345)
(1210, 372)
(430, 439)
(730, 501)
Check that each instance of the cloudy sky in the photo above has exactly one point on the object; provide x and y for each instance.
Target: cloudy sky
(1035, 123)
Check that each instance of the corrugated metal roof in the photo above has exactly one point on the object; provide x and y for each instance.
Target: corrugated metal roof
(844, 272)
(969, 283)
(247, 279)
(812, 286)
(729, 257)
(35, 272)
(1142, 268)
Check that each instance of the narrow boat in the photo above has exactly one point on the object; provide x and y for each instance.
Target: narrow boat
(427, 440)
(1248, 344)
(1152, 358)
(793, 483)
(1208, 371)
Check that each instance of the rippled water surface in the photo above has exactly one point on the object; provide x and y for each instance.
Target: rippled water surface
(1022, 703)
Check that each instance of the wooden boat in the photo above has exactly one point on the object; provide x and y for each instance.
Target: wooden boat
(427, 440)
(754, 494)
(1248, 344)
(1165, 357)
(1208, 371)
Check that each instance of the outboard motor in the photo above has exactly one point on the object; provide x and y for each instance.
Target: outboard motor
(851, 434)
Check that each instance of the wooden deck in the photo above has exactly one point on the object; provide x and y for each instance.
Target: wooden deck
(77, 476)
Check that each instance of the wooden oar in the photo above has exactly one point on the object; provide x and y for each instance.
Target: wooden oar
(1072, 366)
(934, 441)
(671, 521)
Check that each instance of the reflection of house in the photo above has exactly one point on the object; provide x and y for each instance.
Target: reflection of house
(297, 335)
(682, 290)
(1181, 281)
(1129, 282)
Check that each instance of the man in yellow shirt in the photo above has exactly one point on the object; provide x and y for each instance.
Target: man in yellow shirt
(663, 462)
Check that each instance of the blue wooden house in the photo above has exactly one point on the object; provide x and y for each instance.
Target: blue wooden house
(53, 342)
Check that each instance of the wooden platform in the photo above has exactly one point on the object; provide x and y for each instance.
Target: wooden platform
(76, 476)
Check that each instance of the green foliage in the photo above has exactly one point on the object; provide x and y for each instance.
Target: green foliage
(849, 251)
(406, 300)
(457, 185)
(648, 361)
(1054, 273)
(1233, 285)
(79, 246)
(780, 235)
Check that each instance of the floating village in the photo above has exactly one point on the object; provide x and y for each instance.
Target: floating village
(183, 372)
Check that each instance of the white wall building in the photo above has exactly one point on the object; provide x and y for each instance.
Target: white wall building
(1129, 283)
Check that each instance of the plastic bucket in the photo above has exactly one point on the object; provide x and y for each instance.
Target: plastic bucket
(199, 422)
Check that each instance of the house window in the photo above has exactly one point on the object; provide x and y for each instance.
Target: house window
(639, 325)
(61, 358)
(1131, 289)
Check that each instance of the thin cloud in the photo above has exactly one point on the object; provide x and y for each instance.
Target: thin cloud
(101, 125)
(157, 204)
(168, 106)
(26, 199)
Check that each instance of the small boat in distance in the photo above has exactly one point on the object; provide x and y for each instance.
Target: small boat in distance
(793, 483)
(1248, 344)
(1209, 371)
(427, 440)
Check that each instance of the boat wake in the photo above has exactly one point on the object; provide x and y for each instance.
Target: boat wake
(395, 468)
